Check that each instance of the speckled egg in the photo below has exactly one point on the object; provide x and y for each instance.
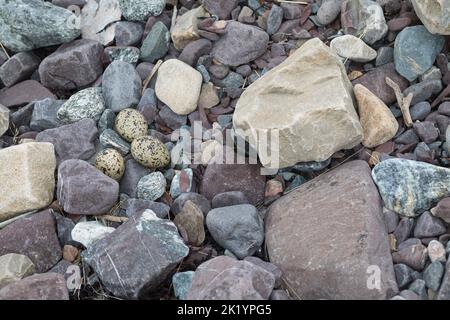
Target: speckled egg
(111, 163)
(150, 152)
(130, 124)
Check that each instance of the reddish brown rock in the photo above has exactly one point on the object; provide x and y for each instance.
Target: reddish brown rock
(46, 286)
(23, 93)
(329, 236)
(375, 81)
(219, 178)
(35, 237)
(224, 278)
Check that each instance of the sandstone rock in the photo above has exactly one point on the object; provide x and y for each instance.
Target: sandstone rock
(240, 44)
(178, 85)
(185, 29)
(28, 180)
(434, 15)
(46, 286)
(35, 237)
(24, 92)
(302, 239)
(82, 189)
(293, 87)
(72, 65)
(138, 256)
(224, 278)
(353, 48)
(190, 224)
(411, 187)
(98, 19)
(29, 24)
(208, 96)
(14, 267)
(72, 141)
(378, 123)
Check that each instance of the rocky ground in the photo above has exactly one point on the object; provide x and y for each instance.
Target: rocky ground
(100, 199)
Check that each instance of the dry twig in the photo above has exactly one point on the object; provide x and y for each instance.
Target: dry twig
(4, 50)
(149, 78)
(114, 218)
(403, 102)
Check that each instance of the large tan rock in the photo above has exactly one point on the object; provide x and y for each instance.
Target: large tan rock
(308, 101)
(434, 14)
(378, 122)
(329, 237)
(178, 85)
(185, 29)
(27, 178)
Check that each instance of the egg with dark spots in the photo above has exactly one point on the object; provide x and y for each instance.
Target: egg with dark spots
(111, 163)
(150, 152)
(130, 124)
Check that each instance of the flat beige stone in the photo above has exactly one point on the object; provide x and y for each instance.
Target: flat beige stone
(208, 96)
(308, 101)
(434, 14)
(185, 29)
(178, 85)
(27, 175)
(14, 267)
(353, 48)
(378, 122)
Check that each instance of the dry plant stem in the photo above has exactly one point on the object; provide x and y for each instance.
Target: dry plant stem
(4, 50)
(7, 222)
(174, 16)
(113, 218)
(441, 97)
(149, 78)
(403, 102)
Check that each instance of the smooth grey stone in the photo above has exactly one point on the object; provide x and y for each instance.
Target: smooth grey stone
(237, 228)
(133, 173)
(121, 86)
(230, 198)
(433, 275)
(403, 275)
(111, 139)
